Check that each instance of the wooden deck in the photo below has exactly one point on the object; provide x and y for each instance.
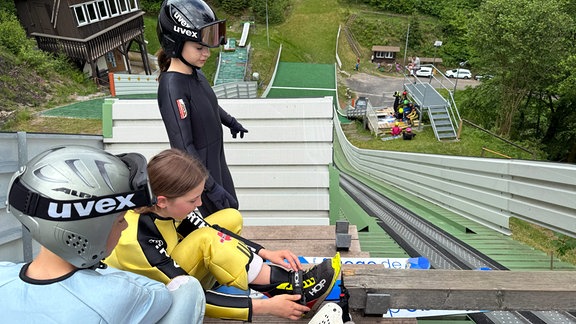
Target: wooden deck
(313, 241)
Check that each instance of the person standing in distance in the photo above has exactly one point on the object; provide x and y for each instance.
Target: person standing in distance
(187, 29)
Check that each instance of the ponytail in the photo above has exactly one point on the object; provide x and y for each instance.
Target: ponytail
(163, 60)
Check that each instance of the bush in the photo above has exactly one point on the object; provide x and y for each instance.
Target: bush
(12, 35)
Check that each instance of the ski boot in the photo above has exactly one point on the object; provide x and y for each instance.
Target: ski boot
(313, 284)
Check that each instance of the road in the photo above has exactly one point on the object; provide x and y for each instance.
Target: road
(380, 89)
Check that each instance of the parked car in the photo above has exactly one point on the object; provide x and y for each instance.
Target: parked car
(425, 72)
(459, 73)
(361, 103)
(481, 77)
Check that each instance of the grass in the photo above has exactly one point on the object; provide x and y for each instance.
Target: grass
(471, 143)
(540, 238)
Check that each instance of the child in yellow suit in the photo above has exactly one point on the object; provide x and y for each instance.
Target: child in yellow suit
(212, 250)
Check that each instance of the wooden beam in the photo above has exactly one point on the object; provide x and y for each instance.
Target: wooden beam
(460, 289)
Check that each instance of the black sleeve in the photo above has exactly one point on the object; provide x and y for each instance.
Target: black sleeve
(154, 247)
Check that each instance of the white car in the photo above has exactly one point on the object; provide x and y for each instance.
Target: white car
(425, 71)
(459, 73)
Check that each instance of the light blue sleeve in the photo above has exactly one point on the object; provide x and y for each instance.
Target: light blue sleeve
(129, 297)
(189, 302)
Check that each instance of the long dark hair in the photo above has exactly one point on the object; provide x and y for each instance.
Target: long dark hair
(163, 60)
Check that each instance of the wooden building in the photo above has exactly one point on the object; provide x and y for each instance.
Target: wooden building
(97, 33)
(384, 54)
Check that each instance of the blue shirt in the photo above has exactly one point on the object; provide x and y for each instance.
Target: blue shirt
(83, 296)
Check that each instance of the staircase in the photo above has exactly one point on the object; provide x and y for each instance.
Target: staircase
(438, 109)
(441, 123)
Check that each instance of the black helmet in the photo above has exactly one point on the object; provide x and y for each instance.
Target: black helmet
(188, 20)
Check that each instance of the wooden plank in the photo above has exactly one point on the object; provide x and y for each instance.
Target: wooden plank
(298, 232)
(312, 241)
(462, 289)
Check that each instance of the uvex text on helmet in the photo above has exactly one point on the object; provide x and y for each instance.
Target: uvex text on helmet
(188, 20)
(68, 197)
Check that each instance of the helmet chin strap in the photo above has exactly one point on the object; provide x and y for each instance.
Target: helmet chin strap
(194, 67)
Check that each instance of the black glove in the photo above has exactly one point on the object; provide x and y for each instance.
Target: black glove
(236, 128)
(221, 198)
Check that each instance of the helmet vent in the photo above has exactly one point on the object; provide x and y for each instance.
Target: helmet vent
(77, 242)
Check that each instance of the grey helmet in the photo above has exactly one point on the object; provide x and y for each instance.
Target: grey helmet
(68, 197)
(188, 20)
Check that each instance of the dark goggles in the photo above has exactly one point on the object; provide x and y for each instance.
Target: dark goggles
(213, 35)
(33, 204)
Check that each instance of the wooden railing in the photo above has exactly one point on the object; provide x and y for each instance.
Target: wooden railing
(95, 46)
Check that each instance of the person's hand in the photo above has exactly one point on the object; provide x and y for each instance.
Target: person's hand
(220, 197)
(284, 258)
(285, 306)
(236, 128)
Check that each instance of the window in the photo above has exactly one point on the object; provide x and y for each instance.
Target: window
(387, 55)
(113, 8)
(124, 6)
(80, 15)
(94, 11)
(102, 9)
(133, 4)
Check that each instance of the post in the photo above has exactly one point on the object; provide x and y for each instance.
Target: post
(267, 34)
(406, 46)
(436, 45)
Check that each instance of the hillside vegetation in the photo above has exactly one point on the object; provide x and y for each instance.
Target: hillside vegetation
(32, 80)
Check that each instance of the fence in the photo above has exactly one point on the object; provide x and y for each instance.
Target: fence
(136, 84)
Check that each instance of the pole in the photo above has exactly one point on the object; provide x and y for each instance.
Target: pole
(406, 47)
(267, 34)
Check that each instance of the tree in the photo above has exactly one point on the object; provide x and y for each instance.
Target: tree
(276, 10)
(523, 41)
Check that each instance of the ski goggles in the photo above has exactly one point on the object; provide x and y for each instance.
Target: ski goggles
(213, 35)
(36, 205)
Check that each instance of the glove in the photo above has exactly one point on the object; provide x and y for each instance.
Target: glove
(236, 128)
(221, 198)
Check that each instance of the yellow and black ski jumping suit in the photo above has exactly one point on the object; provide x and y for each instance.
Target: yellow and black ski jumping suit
(214, 254)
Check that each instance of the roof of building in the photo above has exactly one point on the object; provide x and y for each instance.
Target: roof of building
(378, 48)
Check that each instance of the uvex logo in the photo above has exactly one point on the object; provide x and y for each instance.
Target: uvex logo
(181, 20)
(101, 206)
(187, 32)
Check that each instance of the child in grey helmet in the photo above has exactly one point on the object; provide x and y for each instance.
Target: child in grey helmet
(73, 200)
